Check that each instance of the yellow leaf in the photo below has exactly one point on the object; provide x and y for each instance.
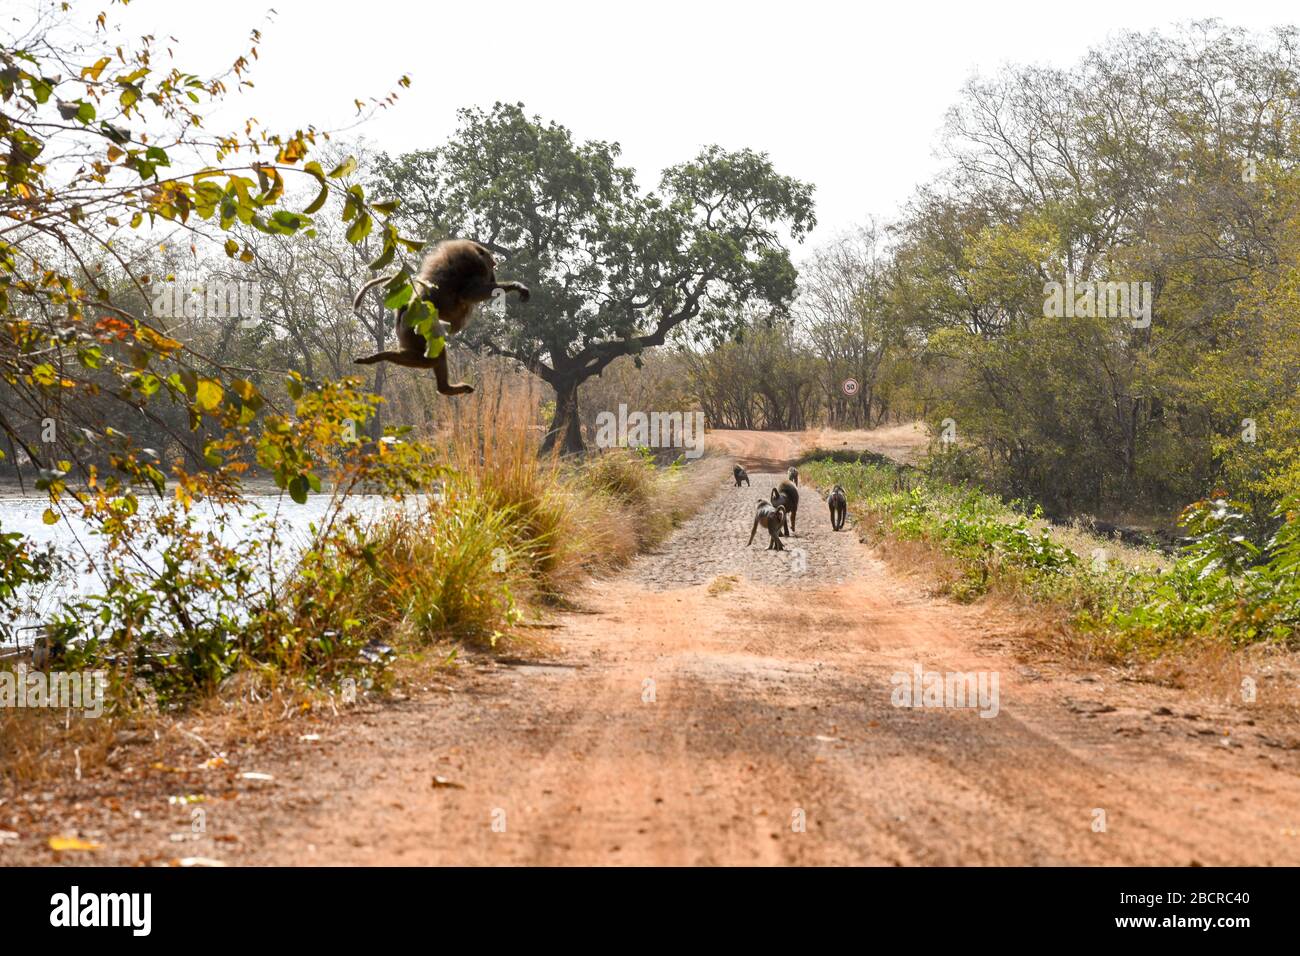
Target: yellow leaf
(64, 843)
(92, 72)
(208, 395)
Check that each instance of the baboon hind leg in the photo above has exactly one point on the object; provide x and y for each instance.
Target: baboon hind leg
(408, 359)
(440, 373)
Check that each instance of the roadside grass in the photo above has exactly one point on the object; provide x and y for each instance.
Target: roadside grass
(1102, 597)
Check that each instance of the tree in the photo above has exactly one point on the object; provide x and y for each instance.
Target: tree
(613, 270)
(1138, 167)
(848, 316)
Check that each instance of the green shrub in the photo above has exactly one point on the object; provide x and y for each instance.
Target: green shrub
(1222, 587)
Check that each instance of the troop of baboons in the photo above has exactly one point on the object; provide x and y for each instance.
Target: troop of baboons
(779, 513)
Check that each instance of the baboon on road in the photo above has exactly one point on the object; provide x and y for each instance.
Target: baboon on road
(786, 496)
(839, 504)
(793, 474)
(740, 475)
(772, 519)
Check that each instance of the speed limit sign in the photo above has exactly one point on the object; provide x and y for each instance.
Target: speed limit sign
(850, 386)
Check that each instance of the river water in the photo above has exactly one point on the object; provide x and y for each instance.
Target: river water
(76, 541)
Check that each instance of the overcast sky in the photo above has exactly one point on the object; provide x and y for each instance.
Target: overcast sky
(848, 96)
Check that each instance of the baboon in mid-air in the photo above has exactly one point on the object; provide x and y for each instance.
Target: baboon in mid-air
(786, 496)
(793, 474)
(772, 519)
(455, 276)
(839, 503)
(740, 475)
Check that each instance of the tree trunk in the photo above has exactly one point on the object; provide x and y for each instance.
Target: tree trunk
(566, 429)
(379, 329)
(377, 420)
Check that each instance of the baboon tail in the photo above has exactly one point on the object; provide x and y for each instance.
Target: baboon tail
(356, 301)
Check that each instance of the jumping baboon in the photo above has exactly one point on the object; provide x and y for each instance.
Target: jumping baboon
(786, 496)
(772, 519)
(740, 475)
(793, 474)
(455, 276)
(839, 503)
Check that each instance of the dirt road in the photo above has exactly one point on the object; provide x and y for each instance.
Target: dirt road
(722, 704)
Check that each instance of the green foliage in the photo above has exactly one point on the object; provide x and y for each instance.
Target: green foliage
(1222, 588)
(182, 608)
(22, 567)
(982, 534)
(133, 159)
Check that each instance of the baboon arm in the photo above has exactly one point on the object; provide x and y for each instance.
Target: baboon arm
(518, 287)
(753, 531)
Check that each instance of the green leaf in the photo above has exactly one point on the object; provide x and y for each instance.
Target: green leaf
(344, 168)
(397, 296)
(286, 223)
(360, 228)
(319, 201)
(385, 257)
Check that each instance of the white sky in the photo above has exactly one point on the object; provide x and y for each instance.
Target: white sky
(850, 97)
